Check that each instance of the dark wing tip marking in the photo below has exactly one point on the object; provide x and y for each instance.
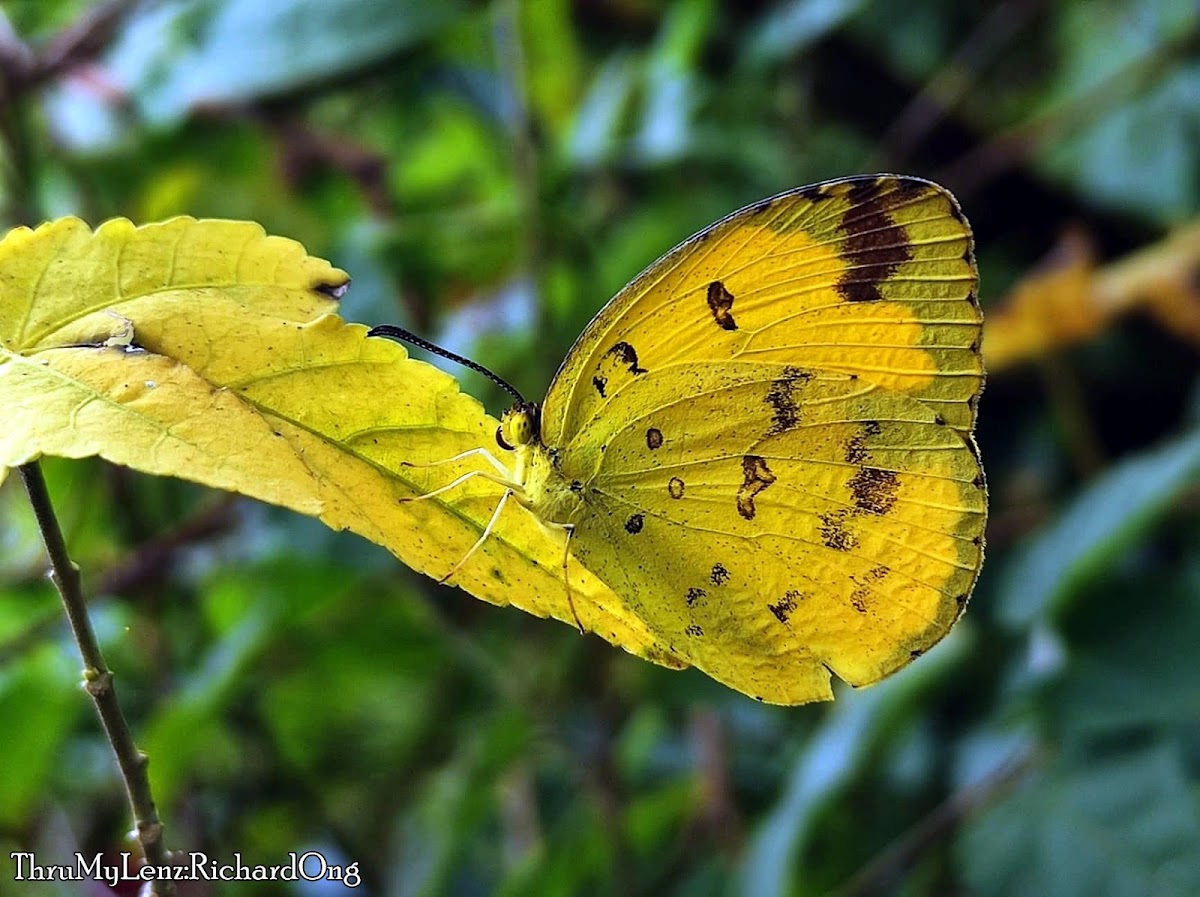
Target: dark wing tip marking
(600, 383)
(720, 303)
(874, 241)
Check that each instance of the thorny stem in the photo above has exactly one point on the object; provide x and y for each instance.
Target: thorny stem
(98, 680)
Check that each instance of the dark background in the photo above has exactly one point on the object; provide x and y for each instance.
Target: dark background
(490, 174)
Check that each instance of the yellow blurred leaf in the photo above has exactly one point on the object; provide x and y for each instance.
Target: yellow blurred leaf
(209, 351)
(1070, 299)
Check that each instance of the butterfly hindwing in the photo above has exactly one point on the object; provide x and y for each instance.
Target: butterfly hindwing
(772, 523)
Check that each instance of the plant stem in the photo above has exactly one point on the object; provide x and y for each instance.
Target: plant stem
(98, 679)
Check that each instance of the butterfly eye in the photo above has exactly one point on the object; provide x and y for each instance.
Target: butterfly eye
(501, 441)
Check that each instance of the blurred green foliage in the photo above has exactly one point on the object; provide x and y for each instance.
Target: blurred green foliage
(490, 174)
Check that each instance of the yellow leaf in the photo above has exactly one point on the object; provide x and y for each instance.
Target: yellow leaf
(209, 351)
(1070, 299)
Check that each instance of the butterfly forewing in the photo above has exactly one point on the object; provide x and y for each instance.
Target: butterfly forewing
(873, 276)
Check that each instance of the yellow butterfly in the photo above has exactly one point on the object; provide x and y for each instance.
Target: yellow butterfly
(763, 443)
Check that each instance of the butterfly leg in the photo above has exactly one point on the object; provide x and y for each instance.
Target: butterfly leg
(570, 530)
(462, 456)
(507, 484)
(487, 531)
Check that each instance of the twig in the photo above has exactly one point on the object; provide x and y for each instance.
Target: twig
(152, 560)
(24, 69)
(98, 679)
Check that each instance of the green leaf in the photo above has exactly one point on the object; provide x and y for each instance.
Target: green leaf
(837, 752)
(1139, 669)
(1123, 827)
(182, 56)
(39, 702)
(1118, 508)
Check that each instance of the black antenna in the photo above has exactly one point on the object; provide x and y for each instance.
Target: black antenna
(401, 334)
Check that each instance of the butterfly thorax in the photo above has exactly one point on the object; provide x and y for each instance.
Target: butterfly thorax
(551, 492)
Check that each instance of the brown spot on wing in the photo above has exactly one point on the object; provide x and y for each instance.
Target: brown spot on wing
(634, 524)
(627, 355)
(675, 487)
(757, 477)
(876, 246)
(874, 489)
(782, 398)
(834, 533)
(858, 600)
(857, 452)
(720, 575)
(782, 609)
(654, 438)
(720, 303)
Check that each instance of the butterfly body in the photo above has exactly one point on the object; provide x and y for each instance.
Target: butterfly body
(763, 443)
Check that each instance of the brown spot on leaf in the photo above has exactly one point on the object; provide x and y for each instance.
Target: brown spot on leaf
(654, 438)
(757, 477)
(782, 609)
(634, 524)
(877, 573)
(694, 595)
(695, 630)
(333, 290)
(874, 489)
(876, 246)
(675, 487)
(720, 303)
(782, 398)
(720, 575)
